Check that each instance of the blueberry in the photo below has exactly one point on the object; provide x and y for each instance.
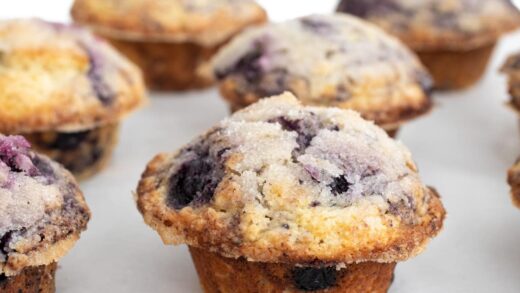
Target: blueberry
(69, 141)
(3, 278)
(339, 185)
(312, 279)
(248, 66)
(306, 129)
(103, 91)
(364, 8)
(195, 181)
(316, 25)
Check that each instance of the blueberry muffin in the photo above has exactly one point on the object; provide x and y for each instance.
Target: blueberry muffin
(169, 40)
(326, 60)
(65, 91)
(453, 38)
(282, 197)
(42, 213)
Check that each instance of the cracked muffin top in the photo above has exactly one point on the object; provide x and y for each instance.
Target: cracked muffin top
(327, 60)
(207, 22)
(281, 182)
(512, 69)
(42, 210)
(59, 77)
(439, 24)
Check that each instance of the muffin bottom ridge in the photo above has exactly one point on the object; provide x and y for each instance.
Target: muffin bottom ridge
(454, 70)
(168, 66)
(84, 153)
(226, 275)
(39, 279)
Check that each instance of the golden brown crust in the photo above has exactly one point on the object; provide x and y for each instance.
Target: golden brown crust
(445, 25)
(203, 22)
(225, 275)
(32, 279)
(46, 66)
(242, 219)
(454, 69)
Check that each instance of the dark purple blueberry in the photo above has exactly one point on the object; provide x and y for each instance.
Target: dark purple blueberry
(425, 80)
(273, 83)
(315, 25)
(3, 278)
(15, 154)
(313, 279)
(69, 141)
(248, 66)
(339, 185)
(45, 169)
(285, 226)
(95, 74)
(364, 8)
(195, 181)
(4, 242)
(306, 129)
(87, 160)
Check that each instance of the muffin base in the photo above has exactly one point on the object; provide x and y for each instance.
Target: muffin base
(33, 279)
(226, 275)
(454, 70)
(83, 153)
(168, 66)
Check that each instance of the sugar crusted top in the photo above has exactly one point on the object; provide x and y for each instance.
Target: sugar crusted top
(332, 60)
(207, 22)
(38, 207)
(44, 66)
(431, 24)
(282, 182)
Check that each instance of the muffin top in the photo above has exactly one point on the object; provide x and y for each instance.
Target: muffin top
(512, 69)
(280, 182)
(327, 60)
(439, 24)
(42, 210)
(207, 22)
(58, 77)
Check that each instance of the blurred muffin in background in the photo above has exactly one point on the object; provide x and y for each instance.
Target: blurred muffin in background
(326, 60)
(453, 38)
(282, 197)
(169, 40)
(512, 69)
(42, 213)
(65, 91)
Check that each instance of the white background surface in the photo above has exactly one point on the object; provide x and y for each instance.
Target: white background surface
(463, 149)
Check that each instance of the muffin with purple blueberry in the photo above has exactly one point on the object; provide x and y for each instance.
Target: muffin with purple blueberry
(453, 38)
(42, 213)
(169, 40)
(65, 91)
(282, 197)
(326, 60)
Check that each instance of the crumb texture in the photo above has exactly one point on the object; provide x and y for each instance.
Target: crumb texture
(39, 206)
(431, 24)
(512, 69)
(44, 66)
(281, 181)
(201, 21)
(326, 60)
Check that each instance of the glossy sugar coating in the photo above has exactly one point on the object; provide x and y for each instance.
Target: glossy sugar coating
(42, 210)
(62, 78)
(280, 182)
(328, 60)
(439, 24)
(206, 22)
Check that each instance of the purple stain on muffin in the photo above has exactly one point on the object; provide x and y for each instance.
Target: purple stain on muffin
(95, 74)
(364, 8)
(196, 180)
(314, 279)
(316, 25)
(15, 155)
